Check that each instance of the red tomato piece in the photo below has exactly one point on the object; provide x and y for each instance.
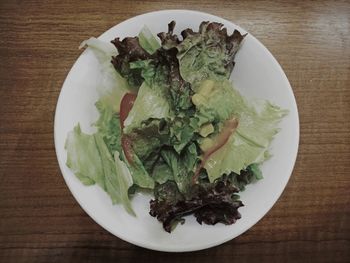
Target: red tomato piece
(126, 106)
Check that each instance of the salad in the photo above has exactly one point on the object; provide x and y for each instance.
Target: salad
(171, 122)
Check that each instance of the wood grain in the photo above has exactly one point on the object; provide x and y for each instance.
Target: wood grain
(41, 222)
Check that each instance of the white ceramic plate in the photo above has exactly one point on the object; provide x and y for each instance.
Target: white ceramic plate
(256, 74)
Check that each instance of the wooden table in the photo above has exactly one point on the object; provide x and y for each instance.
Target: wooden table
(41, 222)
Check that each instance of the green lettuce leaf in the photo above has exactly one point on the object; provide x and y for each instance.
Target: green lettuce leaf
(91, 161)
(83, 158)
(216, 101)
(249, 143)
(117, 176)
(149, 104)
(255, 170)
(182, 165)
(104, 50)
(139, 174)
(162, 72)
(162, 173)
(148, 41)
(108, 125)
(112, 85)
(109, 129)
(207, 54)
(148, 139)
(182, 133)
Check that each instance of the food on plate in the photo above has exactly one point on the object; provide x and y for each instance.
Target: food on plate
(171, 121)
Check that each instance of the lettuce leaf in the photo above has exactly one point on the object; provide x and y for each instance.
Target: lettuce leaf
(162, 173)
(254, 169)
(91, 161)
(123, 181)
(117, 175)
(109, 129)
(139, 174)
(182, 133)
(129, 50)
(150, 103)
(108, 125)
(104, 50)
(83, 158)
(148, 41)
(169, 39)
(148, 139)
(218, 103)
(112, 85)
(182, 165)
(206, 54)
(210, 203)
(162, 71)
(249, 143)
(251, 174)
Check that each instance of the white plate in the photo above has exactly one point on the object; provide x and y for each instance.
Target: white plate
(256, 74)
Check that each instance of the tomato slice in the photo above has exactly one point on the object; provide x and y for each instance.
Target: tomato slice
(127, 148)
(229, 128)
(126, 106)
